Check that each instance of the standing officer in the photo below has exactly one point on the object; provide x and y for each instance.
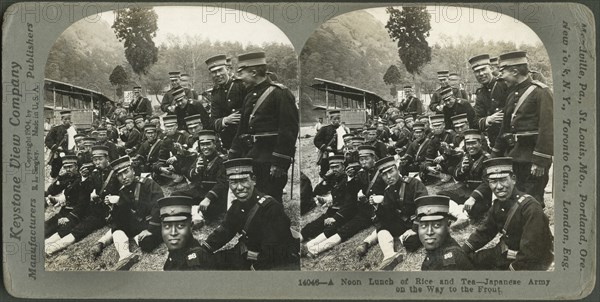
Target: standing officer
(526, 242)
(227, 98)
(176, 230)
(328, 139)
(411, 105)
(266, 242)
(140, 105)
(168, 104)
(268, 126)
(490, 97)
(57, 141)
(433, 223)
(526, 134)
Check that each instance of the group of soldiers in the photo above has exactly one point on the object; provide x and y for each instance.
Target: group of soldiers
(493, 159)
(232, 162)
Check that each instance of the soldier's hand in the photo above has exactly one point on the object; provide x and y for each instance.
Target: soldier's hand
(93, 195)
(143, 234)
(128, 150)
(171, 160)
(537, 171)
(277, 171)
(407, 234)
(171, 108)
(164, 170)
(329, 221)
(438, 159)
(63, 221)
(495, 118)
(232, 119)
(469, 203)
(204, 204)
(329, 173)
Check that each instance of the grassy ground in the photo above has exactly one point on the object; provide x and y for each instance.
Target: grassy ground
(343, 257)
(76, 257)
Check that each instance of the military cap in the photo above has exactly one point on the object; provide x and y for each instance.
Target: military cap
(170, 119)
(137, 89)
(184, 75)
(155, 117)
(437, 119)
(79, 136)
(101, 130)
(418, 126)
(353, 164)
(479, 61)
(65, 113)
(251, 59)
(238, 168)
(443, 74)
(386, 163)
(193, 120)
(121, 163)
(178, 93)
(150, 128)
(433, 207)
(216, 61)
(472, 134)
(446, 93)
(498, 167)
(100, 150)
(207, 136)
(366, 150)
(347, 136)
(121, 127)
(494, 61)
(408, 87)
(512, 58)
(89, 140)
(453, 74)
(336, 160)
(139, 117)
(228, 60)
(69, 160)
(398, 119)
(174, 75)
(357, 140)
(408, 118)
(371, 130)
(129, 118)
(175, 208)
(333, 113)
(459, 120)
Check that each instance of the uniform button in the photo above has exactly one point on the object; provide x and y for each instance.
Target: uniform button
(254, 93)
(517, 93)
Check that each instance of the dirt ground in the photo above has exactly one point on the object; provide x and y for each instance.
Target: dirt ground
(77, 258)
(343, 257)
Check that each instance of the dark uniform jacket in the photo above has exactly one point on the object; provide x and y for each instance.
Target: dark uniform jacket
(398, 207)
(528, 232)
(184, 259)
(327, 137)
(490, 98)
(167, 147)
(112, 135)
(226, 99)
(412, 106)
(448, 257)
(278, 114)
(168, 98)
(104, 186)
(380, 149)
(113, 150)
(472, 177)
(362, 182)
(193, 107)
(137, 207)
(147, 155)
(209, 180)
(531, 125)
(268, 234)
(459, 107)
(141, 105)
(55, 135)
(436, 98)
(343, 196)
(133, 140)
(76, 201)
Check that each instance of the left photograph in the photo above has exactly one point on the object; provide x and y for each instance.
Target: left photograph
(170, 143)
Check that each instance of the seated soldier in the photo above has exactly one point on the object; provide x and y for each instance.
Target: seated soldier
(415, 155)
(443, 252)
(394, 212)
(84, 156)
(206, 173)
(103, 140)
(170, 147)
(147, 156)
(134, 213)
(372, 140)
(470, 189)
(526, 242)
(266, 241)
(132, 137)
(176, 229)
(334, 193)
(434, 168)
(66, 192)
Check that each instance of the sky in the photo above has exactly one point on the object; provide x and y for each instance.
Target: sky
(465, 21)
(213, 23)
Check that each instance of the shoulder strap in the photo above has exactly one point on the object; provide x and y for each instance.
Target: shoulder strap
(138, 187)
(152, 149)
(106, 181)
(512, 211)
(529, 90)
(402, 191)
(372, 182)
(229, 90)
(260, 101)
(250, 217)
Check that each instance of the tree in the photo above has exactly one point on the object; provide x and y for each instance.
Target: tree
(136, 27)
(409, 27)
(392, 77)
(118, 78)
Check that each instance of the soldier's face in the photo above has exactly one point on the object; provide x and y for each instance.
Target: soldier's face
(208, 148)
(70, 168)
(66, 121)
(101, 136)
(79, 143)
(335, 120)
(371, 136)
(171, 129)
(220, 75)
(337, 169)
(473, 147)
(151, 135)
(175, 82)
(185, 82)
(419, 134)
(502, 187)
(410, 123)
(100, 161)
(433, 233)
(443, 82)
(140, 124)
(367, 161)
(454, 81)
(449, 102)
(483, 75)
(129, 125)
(247, 75)
(408, 92)
(176, 234)
(126, 176)
(391, 176)
(242, 188)
(425, 121)
(461, 128)
(509, 75)
(438, 128)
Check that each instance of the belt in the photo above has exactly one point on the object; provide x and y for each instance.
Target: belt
(262, 135)
(526, 133)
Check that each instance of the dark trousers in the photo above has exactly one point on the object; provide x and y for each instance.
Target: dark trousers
(317, 226)
(356, 224)
(234, 259)
(528, 183)
(215, 208)
(272, 186)
(55, 166)
(88, 225)
(460, 193)
(51, 226)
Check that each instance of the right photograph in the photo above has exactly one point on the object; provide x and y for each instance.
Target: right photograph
(426, 142)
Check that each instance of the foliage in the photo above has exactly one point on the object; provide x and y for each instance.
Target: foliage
(392, 75)
(410, 27)
(119, 78)
(136, 27)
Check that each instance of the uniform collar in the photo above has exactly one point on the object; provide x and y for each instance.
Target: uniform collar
(523, 85)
